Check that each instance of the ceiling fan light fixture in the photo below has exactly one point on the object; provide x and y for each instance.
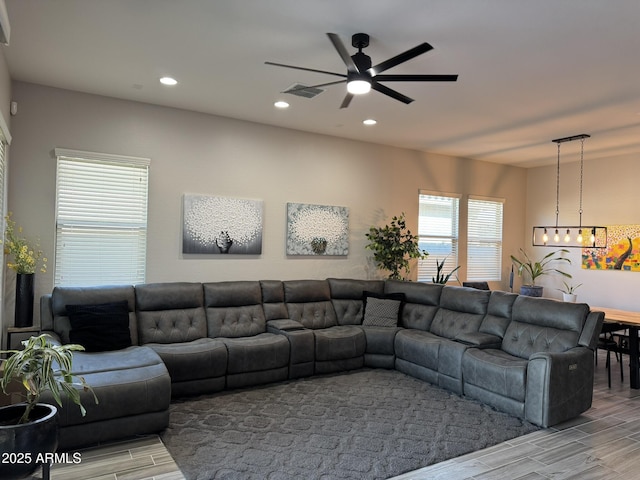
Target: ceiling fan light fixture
(358, 87)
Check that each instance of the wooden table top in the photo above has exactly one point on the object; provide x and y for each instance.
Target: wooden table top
(619, 316)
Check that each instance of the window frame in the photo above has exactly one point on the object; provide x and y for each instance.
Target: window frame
(86, 229)
(427, 267)
(494, 272)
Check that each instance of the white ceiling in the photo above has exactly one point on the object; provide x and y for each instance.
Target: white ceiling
(529, 71)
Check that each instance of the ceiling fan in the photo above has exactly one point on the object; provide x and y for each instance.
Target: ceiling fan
(361, 77)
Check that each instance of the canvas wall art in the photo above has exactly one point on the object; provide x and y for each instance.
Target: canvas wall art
(317, 229)
(221, 225)
(622, 252)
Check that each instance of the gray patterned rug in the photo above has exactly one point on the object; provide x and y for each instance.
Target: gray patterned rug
(365, 424)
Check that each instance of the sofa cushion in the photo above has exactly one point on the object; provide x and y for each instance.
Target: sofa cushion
(170, 312)
(339, 343)
(421, 302)
(496, 371)
(234, 309)
(498, 314)
(199, 359)
(100, 327)
(63, 296)
(418, 347)
(265, 351)
(543, 325)
(382, 310)
(346, 296)
(461, 310)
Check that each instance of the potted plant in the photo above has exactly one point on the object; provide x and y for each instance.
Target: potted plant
(535, 269)
(440, 277)
(568, 292)
(30, 429)
(393, 246)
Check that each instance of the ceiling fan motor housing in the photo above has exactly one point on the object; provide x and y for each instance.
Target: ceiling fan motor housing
(360, 40)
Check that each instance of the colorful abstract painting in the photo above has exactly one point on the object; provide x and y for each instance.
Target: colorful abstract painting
(622, 252)
(317, 229)
(221, 225)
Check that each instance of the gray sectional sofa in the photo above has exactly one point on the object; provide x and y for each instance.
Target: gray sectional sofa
(530, 357)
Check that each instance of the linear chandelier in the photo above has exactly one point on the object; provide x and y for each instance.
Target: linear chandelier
(577, 236)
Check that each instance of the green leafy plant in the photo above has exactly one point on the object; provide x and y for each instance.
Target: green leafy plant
(569, 289)
(440, 277)
(535, 269)
(43, 366)
(393, 246)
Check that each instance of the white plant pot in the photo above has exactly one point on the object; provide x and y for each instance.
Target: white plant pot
(569, 297)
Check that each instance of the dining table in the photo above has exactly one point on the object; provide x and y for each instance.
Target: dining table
(627, 320)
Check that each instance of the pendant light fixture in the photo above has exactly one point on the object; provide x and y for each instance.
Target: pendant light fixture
(580, 236)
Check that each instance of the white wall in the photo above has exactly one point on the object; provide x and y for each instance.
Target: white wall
(610, 197)
(197, 153)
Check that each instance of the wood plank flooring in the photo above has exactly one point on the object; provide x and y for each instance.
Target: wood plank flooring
(604, 443)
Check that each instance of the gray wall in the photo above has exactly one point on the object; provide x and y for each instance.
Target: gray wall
(197, 153)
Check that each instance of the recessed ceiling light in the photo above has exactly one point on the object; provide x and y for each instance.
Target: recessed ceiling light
(369, 121)
(168, 81)
(281, 104)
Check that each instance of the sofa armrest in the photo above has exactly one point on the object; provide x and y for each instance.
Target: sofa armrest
(479, 339)
(559, 386)
(283, 325)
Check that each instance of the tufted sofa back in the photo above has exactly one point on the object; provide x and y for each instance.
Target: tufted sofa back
(543, 325)
(498, 313)
(234, 309)
(462, 310)
(309, 302)
(58, 321)
(422, 302)
(170, 312)
(346, 296)
(273, 300)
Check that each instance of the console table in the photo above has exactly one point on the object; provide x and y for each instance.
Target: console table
(631, 320)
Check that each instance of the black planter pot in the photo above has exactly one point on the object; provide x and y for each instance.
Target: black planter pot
(24, 300)
(23, 444)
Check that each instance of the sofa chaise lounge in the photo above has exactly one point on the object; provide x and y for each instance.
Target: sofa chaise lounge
(530, 357)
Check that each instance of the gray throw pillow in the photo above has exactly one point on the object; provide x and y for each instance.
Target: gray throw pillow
(381, 312)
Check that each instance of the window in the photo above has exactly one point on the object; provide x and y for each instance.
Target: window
(484, 240)
(101, 219)
(438, 233)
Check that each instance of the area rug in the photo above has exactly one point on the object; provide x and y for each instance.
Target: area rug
(364, 424)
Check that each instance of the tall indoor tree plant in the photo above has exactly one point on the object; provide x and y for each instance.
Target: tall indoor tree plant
(394, 246)
(31, 428)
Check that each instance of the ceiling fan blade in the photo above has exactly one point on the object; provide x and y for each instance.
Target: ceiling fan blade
(416, 78)
(306, 69)
(347, 100)
(401, 58)
(342, 51)
(291, 90)
(391, 93)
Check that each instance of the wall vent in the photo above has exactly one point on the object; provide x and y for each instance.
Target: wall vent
(301, 90)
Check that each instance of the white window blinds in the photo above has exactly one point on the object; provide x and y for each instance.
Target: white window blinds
(438, 233)
(101, 219)
(484, 239)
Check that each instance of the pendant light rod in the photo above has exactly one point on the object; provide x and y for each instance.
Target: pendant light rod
(582, 136)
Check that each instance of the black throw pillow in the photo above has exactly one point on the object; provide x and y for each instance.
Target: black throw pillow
(100, 327)
(382, 310)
